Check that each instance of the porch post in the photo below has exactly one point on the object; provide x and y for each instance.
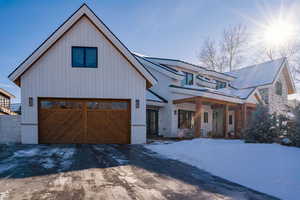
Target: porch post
(198, 117)
(225, 121)
(244, 116)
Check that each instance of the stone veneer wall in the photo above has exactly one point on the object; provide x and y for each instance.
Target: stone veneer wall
(278, 103)
(10, 129)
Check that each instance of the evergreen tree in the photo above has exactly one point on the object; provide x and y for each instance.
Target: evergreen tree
(294, 133)
(262, 127)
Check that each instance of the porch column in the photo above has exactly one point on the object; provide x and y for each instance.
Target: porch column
(225, 121)
(244, 116)
(198, 117)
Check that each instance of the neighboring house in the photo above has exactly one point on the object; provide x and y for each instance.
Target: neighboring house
(82, 85)
(200, 102)
(5, 102)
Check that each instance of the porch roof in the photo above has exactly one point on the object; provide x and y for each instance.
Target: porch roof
(152, 96)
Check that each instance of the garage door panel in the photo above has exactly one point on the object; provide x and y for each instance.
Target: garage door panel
(84, 121)
(108, 127)
(61, 127)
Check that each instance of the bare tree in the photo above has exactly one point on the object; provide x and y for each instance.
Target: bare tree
(233, 45)
(227, 53)
(209, 55)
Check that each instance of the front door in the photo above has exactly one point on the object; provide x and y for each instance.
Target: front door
(152, 122)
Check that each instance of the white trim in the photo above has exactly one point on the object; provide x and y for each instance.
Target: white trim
(155, 103)
(84, 10)
(205, 94)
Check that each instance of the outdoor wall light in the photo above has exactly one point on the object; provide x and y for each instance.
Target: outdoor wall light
(175, 112)
(137, 103)
(30, 101)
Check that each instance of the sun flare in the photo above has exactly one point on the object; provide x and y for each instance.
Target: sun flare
(278, 33)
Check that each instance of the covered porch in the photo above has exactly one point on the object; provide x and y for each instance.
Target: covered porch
(212, 117)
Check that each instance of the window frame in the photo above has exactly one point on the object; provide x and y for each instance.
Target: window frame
(188, 122)
(278, 88)
(84, 57)
(230, 119)
(220, 84)
(205, 117)
(185, 80)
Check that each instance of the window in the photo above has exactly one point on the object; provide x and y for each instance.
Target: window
(278, 86)
(188, 79)
(230, 119)
(264, 93)
(84, 57)
(185, 119)
(220, 84)
(205, 118)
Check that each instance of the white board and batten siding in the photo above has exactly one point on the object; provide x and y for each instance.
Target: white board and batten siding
(53, 76)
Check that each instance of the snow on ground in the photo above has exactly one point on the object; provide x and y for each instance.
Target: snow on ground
(270, 168)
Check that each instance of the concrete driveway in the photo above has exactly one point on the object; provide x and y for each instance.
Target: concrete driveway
(106, 172)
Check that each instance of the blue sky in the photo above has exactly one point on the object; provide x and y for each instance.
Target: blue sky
(162, 28)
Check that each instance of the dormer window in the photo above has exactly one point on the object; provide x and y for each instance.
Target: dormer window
(220, 84)
(188, 79)
(278, 87)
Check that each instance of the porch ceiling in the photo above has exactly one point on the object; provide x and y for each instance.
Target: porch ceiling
(209, 100)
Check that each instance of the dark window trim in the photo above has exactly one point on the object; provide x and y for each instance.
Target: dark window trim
(205, 117)
(230, 120)
(85, 66)
(186, 77)
(189, 119)
(220, 84)
(278, 88)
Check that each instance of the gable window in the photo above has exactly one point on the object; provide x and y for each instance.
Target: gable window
(264, 93)
(278, 87)
(205, 118)
(185, 119)
(220, 84)
(85, 57)
(188, 79)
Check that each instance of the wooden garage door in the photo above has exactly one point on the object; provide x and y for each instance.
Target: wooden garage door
(78, 121)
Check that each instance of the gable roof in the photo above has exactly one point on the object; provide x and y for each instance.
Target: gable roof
(84, 10)
(171, 72)
(257, 75)
(181, 63)
(152, 96)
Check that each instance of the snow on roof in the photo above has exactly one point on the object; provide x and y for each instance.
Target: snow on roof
(256, 75)
(148, 63)
(151, 96)
(230, 92)
(240, 93)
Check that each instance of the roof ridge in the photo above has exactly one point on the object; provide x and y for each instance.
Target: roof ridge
(254, 65)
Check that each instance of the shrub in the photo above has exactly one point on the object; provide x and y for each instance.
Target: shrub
(262, 127)
(294, 132)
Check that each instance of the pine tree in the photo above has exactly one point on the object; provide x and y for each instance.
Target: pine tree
(294, 133)
(262, 127)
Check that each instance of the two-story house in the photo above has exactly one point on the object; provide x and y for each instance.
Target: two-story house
(5, 102)
(201, 102)
(83, 85)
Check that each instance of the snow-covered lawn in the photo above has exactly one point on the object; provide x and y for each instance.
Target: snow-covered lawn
(270, 168)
